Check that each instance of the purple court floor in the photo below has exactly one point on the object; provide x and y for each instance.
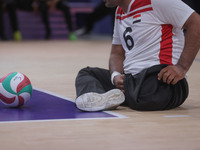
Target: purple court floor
(44, 106)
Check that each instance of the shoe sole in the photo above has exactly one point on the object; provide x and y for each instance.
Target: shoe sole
(98, 102)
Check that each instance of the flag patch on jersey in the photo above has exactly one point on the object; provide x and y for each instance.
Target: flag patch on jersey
(137, 18)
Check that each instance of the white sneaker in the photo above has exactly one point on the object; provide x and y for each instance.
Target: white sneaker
(98, 102)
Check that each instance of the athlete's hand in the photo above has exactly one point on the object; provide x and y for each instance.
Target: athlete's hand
(171, 74)
(119, 82)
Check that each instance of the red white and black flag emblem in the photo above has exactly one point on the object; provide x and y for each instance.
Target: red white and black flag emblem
(137, 18)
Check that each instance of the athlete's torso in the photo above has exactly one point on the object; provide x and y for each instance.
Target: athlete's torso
(151, 34)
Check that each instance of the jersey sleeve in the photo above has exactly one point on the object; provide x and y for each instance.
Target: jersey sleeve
(116, 38)
(173, 12)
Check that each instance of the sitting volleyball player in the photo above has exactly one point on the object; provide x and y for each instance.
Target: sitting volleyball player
(149, 58)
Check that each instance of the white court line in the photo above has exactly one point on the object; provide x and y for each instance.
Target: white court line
(51, 93)
(176, 116)
(115, 114)
(53, 120)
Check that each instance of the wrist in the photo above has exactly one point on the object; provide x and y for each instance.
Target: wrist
(115, 73)
(184, 68)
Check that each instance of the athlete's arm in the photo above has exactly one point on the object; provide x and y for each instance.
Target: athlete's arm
(172, 74)
(117, 56)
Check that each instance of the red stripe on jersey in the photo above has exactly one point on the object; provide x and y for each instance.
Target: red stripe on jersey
(134, 13)
(166, 45)
(140, 3)
(119, 11)
(136, 16)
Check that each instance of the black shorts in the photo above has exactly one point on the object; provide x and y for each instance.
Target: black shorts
(144, 91)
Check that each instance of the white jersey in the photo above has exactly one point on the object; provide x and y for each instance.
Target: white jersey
(151, 33)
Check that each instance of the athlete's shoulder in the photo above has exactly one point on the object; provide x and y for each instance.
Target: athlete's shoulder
(166, 3)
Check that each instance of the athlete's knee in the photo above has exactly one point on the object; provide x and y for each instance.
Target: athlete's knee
(85, 70)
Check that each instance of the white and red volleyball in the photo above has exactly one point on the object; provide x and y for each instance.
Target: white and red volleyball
(15, 89)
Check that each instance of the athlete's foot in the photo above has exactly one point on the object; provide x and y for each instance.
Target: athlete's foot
(99, 102)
